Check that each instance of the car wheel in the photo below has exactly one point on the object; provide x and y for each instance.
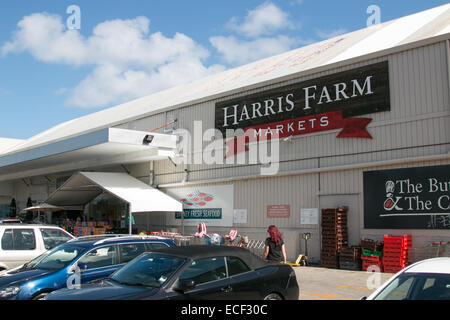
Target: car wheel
(273, 296)
(41, 296)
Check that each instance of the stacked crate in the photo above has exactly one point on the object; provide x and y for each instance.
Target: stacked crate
(334, 236)
(350, 258)
(371, 255)
(395, 252)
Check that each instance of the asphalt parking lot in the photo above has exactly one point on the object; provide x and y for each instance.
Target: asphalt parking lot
(318, 283)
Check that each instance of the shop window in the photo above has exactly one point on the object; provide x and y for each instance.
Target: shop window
(205, 270)
(236, 266)
(18, 239)
(53, 238)
(99, 258)
(130, 251)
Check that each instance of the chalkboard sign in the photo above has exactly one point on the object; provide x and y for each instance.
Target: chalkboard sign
(411, 198)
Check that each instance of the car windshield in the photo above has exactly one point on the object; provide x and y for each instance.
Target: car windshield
(31, 264)
(148, 270)
(58, 258)
(417, 286)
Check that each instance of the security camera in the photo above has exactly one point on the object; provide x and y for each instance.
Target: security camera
(148, 139)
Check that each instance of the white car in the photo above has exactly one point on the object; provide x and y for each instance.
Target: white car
(424, 280)
(20, 243)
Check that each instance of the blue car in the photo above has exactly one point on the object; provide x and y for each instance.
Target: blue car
(73, 263)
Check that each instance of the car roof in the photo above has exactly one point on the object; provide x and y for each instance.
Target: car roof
(435, 265)
(113, 239)
(25, 225)
(196, 252)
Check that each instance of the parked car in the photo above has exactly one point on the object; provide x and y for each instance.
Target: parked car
(20, 243)
(192, 272)
(424, 280)
(75, 262)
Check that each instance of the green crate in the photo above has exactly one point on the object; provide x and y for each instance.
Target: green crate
(372, 253)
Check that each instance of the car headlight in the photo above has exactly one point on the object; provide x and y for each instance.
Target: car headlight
(9, 291)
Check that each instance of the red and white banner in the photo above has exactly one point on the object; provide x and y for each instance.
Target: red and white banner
(351, 128)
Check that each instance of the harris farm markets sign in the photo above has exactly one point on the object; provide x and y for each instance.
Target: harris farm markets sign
(331, 102)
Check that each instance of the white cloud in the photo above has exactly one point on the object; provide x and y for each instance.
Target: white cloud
(43, 35)
(108, 83)
(264, 20)
(235, 51)
(128, 61)
(261, 35)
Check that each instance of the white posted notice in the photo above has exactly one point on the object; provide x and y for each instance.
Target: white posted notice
(309, 216)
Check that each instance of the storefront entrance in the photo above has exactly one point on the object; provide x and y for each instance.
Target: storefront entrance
(113, 198)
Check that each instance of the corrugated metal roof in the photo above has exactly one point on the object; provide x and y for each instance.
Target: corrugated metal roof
(6, 143)
(409, 29)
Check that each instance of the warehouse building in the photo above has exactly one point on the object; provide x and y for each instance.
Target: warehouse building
(360, 121)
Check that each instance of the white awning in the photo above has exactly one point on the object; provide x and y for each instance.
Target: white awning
(44, 207)
(83, 187)
(105, 147)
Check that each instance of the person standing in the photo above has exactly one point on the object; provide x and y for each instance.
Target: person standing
(275, 250)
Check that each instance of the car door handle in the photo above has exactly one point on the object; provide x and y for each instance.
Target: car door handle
(226, 289)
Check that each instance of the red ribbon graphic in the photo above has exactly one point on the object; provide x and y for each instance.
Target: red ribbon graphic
(351, 128)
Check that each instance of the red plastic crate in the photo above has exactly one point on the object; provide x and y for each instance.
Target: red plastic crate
(393, 240)
(405, 240)
(391, 261)
(395, 258)
(367, 264)
(395, 252)
(367, 258)
(397, 261)
(395, 249)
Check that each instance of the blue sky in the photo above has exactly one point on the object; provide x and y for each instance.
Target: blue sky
(128, 49)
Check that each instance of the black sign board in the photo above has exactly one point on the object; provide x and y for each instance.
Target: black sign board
(412, 198)
(355, 92)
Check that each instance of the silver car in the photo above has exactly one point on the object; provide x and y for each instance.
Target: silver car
(424, 280)
(20, 243)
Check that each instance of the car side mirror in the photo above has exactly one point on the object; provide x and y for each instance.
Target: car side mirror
(184, 285)
(81, 266)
